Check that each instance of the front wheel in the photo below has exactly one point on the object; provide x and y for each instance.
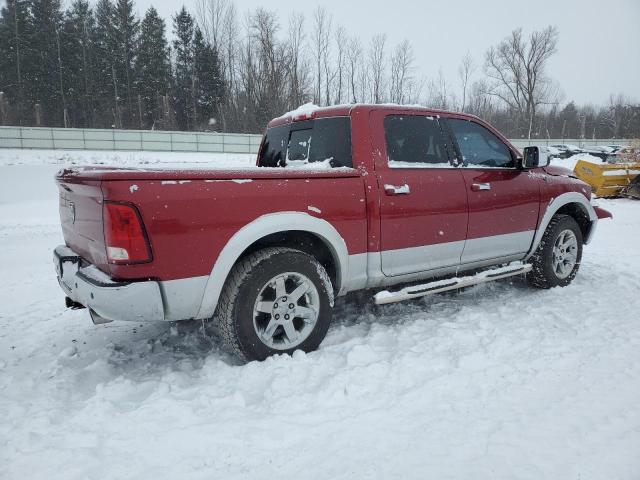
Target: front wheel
(557, 258)
(276, 300)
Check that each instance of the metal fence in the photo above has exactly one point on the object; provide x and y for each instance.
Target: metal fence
(582, 143)
(126, 140)
(154, 141)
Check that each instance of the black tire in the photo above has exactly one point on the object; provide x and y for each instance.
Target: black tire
(543, 274)
(234, 318)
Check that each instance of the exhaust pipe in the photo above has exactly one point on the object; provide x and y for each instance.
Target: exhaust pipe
(97, 319)
(73, 305)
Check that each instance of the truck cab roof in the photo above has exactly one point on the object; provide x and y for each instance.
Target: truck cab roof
(310, 111)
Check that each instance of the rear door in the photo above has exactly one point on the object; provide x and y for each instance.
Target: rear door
(503, 200)
(423, 201)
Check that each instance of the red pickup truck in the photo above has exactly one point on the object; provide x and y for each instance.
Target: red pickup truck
(341, 199)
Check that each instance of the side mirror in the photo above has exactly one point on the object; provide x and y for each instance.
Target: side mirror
(535, 157)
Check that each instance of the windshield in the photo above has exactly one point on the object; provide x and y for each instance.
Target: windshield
(323, 142)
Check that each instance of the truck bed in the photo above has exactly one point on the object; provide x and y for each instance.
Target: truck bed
(192, 214)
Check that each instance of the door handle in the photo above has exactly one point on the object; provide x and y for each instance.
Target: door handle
(397, 190)
(478, 187)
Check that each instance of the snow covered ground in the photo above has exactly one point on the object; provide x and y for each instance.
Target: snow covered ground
(497, 382)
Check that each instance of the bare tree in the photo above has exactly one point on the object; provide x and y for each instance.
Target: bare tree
(340, 60)
(229, 57)
(438, 92)
(329, 70)
(297, 67)
(480, 103)
(354, 66)
(377, 67)
(320, 45)
(401, 80)
(614, 116)
(465, 72)
(211, 15)
(516, 68)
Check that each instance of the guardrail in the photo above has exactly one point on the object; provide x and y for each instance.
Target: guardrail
(164, 141)
(127, 140)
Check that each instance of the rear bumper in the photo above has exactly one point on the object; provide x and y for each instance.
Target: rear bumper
(88, 286)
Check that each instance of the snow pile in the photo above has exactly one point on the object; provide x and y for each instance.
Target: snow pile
(551, 150)
(499, 381)
(570, 162)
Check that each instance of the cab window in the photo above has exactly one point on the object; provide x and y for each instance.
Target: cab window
(324, 141)
(480, 147)
(415, 141)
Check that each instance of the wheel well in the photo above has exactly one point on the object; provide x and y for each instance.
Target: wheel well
(580, 215)
(305, 242)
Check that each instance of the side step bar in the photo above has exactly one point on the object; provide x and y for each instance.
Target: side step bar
(416, 291)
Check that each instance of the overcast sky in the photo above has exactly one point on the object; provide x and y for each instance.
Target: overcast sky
(598, 54)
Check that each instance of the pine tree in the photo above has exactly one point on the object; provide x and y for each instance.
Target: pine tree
(184, 79)
(45, 69)
(108, 101)
(208, 80)
(126, 29)
(78, 61)
(153, 70)
(14, 35)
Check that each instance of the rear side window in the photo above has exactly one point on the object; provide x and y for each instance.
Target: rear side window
(274, 147)
(325, 141)
(479, 146)
(415, 141)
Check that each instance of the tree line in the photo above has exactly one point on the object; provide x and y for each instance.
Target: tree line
(100, 66)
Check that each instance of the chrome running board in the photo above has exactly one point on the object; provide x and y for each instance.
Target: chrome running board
(416, 291)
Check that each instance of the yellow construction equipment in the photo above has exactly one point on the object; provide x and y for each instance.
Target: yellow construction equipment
(607, 179)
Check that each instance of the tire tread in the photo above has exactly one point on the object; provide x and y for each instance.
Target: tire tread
(223, 320)
(538, 277)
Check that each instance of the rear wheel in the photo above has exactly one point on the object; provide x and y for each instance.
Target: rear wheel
(557, 258)
(276, 300)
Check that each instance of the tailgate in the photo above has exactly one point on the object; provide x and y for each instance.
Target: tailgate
(81, 218)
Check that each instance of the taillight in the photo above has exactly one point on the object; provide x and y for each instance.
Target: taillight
(124, 234)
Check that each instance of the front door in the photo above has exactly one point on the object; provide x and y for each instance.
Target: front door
(423, 199)
(503, 200)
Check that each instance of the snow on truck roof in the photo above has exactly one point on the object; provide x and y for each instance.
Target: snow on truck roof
(310, 111)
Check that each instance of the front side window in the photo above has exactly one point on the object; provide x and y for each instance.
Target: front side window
(415, 141)
(480, 147)
(325, 141)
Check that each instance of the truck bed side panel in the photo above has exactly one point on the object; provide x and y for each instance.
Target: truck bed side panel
(189, 222)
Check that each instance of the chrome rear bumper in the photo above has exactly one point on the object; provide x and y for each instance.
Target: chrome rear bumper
(107, 300)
